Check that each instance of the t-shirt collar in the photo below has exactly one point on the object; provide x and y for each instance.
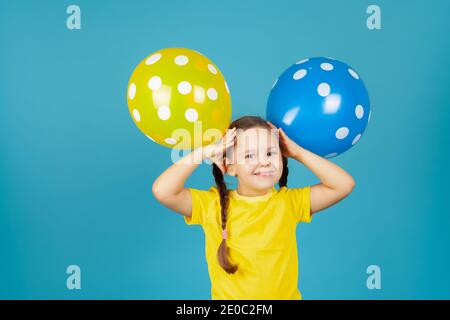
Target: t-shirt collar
(263, 197)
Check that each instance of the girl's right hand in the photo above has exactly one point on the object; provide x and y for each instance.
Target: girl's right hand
(216, 152)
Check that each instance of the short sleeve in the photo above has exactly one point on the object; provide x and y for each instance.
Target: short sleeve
(204, 203)
(301, 203)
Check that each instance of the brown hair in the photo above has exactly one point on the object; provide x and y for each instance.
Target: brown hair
(243, 123)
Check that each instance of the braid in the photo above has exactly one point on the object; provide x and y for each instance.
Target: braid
(243, 123)
(284, 174)
(222, 253)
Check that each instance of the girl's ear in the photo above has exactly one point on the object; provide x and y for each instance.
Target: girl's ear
(231, 170)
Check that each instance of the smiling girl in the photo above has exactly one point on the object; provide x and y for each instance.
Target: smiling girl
(250, 232)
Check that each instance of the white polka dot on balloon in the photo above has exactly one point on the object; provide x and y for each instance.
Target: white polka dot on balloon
(326, 66)
(212, 69)
(359, 111)
(181, 60)
(153, 58)
(184, 87)
(342, 133)
(324, 89)
(330, 155)
(170, 140)
(212, 93)
(136, 115)
(191, 115)
(356, 138)
(299, 74)
(154, 83)
(353, 74)
(132, 91)
(164, 112)
(302, 61)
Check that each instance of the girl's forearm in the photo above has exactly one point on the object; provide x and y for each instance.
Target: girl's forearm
(172, 180)
(329, 173)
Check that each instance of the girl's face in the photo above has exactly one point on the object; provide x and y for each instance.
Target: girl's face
(256, 160)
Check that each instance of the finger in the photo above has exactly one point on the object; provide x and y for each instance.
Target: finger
(230, 133)
(225, 137)
(274, 128)
(229, 144)
(282, 132)
(284, 136)
(230, 137)
(230, 140)
(271, 125)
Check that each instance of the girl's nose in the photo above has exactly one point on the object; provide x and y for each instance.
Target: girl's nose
(264, 161)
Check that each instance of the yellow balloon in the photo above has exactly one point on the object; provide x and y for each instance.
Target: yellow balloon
(179, 98)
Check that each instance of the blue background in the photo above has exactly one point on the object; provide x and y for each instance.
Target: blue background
(76, 174)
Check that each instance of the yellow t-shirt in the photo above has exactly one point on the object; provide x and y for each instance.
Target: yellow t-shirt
(261, 241)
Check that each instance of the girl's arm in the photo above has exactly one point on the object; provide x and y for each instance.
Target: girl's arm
(169, 188)
(335, 184)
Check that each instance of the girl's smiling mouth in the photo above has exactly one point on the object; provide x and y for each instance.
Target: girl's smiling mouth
(265, 173)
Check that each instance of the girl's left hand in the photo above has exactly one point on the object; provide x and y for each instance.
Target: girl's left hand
(288, 147)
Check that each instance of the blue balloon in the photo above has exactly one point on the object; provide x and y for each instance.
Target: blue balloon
(321, 104)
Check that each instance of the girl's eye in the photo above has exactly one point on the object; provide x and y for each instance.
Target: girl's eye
(248, 156)
(270, 153)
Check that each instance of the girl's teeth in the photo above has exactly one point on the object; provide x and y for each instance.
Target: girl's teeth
(264, 174)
